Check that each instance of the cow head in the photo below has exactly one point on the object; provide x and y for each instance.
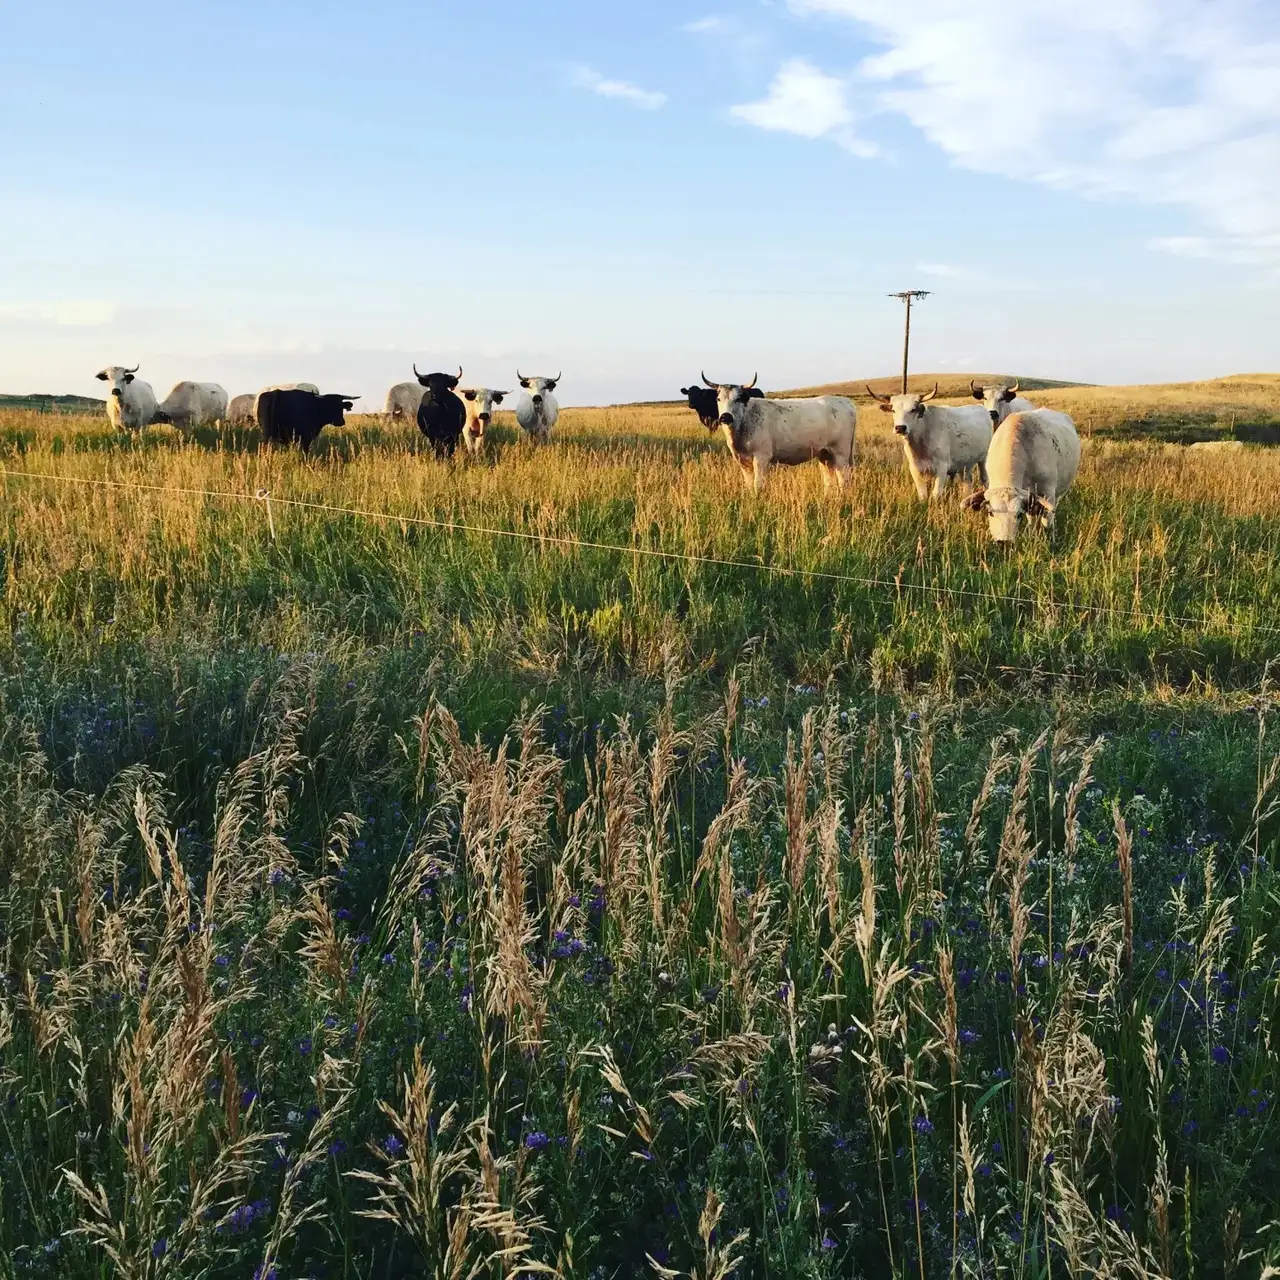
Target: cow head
(731, 401)
(118, 377)
(332, 407)
(702, 400)
(480, 403)
(997, 400)
(908, 409)
(538, 388)
(1005, 506)
(438, 385)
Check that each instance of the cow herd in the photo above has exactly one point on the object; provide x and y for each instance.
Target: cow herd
(1025, 457)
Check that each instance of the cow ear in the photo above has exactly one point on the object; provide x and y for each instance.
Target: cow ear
(128, 377)
(499, 397)
(551, 386)
(102, 377)
(976, 501)
(886, 408)
(524, 382)
(348, 404)
(1010, 395)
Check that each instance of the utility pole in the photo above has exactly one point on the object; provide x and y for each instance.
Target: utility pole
(908, 296)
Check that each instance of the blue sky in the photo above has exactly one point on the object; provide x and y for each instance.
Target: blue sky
(280, 190)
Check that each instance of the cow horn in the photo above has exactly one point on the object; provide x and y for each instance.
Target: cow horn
(558, 376)
(459, 373)
(1017, 386)
(135, 369)
(875, 396)
(416, 374)
(715, 386)
(933, 395)
(755, 377)
(977, 390)
(520, 376)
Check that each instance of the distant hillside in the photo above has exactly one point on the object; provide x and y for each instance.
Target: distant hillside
(951, 386)
(53, 404)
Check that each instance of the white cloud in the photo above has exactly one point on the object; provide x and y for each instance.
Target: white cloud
(70, 313)
(586, 78)
(1169, 101)
(945, 272)
(805, 101)
(704, 26)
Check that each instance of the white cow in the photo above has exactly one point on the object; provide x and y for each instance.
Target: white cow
(762, 433)
(1032, 461)
(242, 411)
(284, 386)
(940, 441)
(403, 400)
(479, 403)
(1000, 400)
(537, 410)
(130, 403)
(192, 404)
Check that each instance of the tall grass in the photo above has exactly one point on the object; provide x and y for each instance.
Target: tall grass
(379, 900)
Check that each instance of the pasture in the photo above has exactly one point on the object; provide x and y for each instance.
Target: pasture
(776, 886)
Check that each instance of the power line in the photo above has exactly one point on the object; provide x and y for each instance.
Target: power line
(896, 586)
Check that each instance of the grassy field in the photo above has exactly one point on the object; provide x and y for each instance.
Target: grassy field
(780, 886)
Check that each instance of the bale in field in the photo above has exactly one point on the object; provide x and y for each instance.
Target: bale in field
(760, 432)
(241, 410)
(193, 404)
(286, 416)
(939, 440)
(441, 415)
(130, 402)
(1032, 462)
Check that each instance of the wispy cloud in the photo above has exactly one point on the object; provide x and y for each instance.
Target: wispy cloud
(704, 26)
(70, 313)
(946, 272)
(646, 100)
(1167, 101)
(807, 102)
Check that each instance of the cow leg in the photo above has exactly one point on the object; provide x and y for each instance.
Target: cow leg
(982, 472)
(761, 473)
(748, 469)
(940, 482)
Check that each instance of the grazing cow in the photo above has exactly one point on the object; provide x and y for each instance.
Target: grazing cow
(537, 409)
(761, 433)
(130, 403)
(1032, 461)
(403, 400)
(478, 404)
(283, 386)
(192, 404)
(286, 416)
(702, 400)
(441, 414)
(1000, 400)
(940, 441)
(241, 410)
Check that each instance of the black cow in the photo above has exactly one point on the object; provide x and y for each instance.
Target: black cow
(286, 416)
(702, 400)
(441, 415)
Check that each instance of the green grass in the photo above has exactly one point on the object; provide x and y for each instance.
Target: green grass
(663, 868)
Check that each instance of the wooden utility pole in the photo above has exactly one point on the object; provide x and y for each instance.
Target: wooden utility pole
(908, 296)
